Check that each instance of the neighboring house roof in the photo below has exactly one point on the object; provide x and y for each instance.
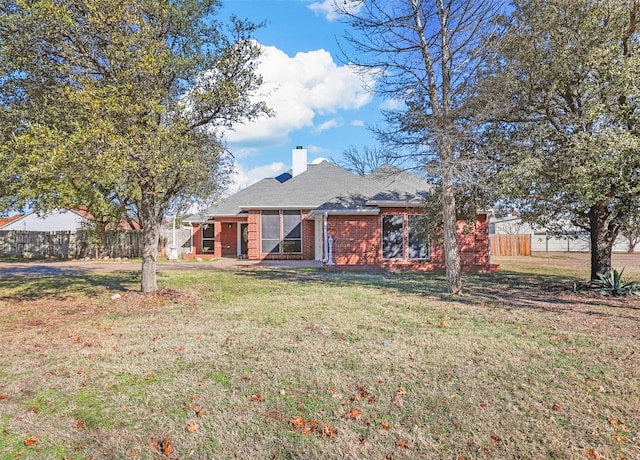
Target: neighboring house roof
(7, 220)
(60, 220)
(325, 187)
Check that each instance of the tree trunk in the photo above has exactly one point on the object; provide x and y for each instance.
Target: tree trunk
(150, 236)
(451, 249)
(602, 234)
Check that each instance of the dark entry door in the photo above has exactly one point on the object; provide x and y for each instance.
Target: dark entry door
(244, 239)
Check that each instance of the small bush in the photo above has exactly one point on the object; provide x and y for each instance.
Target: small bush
(613, 284)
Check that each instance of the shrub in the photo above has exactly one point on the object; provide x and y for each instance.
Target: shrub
(613, 284)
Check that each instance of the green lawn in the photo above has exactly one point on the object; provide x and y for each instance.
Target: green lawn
(305, 364)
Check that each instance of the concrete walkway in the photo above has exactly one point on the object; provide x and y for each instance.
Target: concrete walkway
(77, 267)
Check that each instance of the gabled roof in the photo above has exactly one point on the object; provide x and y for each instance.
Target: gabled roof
(325, 187)
(7, 220)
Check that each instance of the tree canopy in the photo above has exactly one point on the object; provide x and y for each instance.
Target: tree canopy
(121, 106)
(566, 138)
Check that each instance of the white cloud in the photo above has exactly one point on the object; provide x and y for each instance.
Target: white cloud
(317, 150)
(244, 177)
(333, 123)
(392, 104)
(329, 8)
(357, 123)
(297, 89)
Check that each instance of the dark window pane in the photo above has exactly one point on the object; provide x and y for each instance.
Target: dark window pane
(291, 246)
(392, 237)
(418, 244)
(208, 231)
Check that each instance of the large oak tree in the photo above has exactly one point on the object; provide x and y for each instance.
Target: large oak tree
(121, 106)
(566, 146)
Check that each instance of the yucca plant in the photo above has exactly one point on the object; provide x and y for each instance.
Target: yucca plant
(613, 284)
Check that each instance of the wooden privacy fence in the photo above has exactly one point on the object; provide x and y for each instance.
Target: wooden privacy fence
(510, 245)
(69, 245)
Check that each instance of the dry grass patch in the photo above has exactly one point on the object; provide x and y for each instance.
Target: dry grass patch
(308, 364)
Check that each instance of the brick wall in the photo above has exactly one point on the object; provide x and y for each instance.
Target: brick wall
(357, 242)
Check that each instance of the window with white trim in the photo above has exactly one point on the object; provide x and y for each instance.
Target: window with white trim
(208, 237)
(394, 238)
(418, 247)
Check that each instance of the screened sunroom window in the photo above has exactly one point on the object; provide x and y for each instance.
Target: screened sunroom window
(291, 231)
(271, 231)
(281, 232)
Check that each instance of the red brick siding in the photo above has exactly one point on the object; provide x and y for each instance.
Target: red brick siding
(357, 242)
(356, 239)
(254, 235)
(197, 238)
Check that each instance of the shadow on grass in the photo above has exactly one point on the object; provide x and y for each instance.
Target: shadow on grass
(65, 282)
(504, 289)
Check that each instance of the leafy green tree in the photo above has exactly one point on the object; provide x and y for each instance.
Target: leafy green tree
(121, 106)
(566, 148)
(425, 54)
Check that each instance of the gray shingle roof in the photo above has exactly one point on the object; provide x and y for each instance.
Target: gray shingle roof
(327, 187)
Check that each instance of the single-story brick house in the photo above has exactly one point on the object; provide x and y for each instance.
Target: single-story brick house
(322, 212)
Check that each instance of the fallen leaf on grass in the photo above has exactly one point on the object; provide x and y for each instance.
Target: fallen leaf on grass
(557, 407)
(80, 425)
(620, 438)
(3, 396)
(133, 454)
(361, 393)
(163, 446)
(257, 398)
(329, 431)
(617, 424)
(385, 426)
(297, 422)
(166, 446)
(484, 405)
(442, 324)
(30, 440)
(402, 445)
(193, 427)
(495, 439)
(200, 413)
(591, 453)
(353, 414)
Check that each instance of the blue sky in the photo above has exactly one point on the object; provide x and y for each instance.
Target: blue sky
(319, 102)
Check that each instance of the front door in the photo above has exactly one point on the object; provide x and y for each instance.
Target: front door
(244, 240)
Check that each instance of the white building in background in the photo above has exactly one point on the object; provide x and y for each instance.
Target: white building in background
(572, 239)
(56, 221)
